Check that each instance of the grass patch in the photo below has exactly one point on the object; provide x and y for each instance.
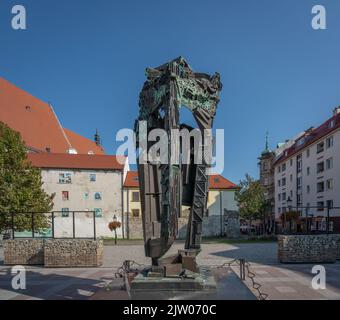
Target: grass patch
(241, 240)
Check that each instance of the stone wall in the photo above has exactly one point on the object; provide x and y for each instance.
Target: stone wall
(73, 253)
(24, 252)
(232, 224)
(308, 248)
(54, 252)
(135, 230)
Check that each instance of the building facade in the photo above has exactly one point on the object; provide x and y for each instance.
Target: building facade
(307, 175)
(85, 184)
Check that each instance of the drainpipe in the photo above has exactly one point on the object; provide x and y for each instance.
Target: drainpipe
(128, 213)
(221, 212)
(122, 195)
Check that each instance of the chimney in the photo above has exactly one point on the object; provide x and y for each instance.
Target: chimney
(336, 111)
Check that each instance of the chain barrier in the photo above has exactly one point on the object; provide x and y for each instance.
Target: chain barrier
(133, 267)
(129, 266)
(245, 266)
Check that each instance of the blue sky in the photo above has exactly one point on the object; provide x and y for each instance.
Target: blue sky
(88, 59)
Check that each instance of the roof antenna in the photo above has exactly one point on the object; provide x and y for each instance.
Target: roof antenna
(97, 139)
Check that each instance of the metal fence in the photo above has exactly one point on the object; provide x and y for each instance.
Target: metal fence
(53, 225)
(310, 220)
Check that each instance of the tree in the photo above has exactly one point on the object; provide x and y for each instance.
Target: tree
(251, 199)
(21, 189)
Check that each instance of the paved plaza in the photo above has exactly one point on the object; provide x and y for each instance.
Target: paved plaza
(279, 281)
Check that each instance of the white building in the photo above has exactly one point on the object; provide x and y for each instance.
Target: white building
(308, 173)
(85, 184)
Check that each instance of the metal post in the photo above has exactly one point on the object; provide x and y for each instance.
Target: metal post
(13, 233)
(53, 225)
(328, 209)
(32, 225)
(94, 225)
(74, 225)
(242, 269)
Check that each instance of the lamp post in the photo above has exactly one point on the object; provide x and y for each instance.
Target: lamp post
(289, 204)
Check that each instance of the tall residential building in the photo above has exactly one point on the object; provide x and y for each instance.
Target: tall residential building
(308, 173)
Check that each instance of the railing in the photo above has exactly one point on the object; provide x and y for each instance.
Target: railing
(52, 225)
(310, 220)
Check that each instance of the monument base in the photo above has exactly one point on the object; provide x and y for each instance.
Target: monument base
(202, 281)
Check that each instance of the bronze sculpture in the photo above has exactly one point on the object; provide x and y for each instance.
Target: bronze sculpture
(165, 187)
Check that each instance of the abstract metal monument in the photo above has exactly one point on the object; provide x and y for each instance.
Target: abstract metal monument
(165, 187)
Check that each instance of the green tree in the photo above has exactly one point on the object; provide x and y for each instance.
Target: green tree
(20, 185)
(251, 199)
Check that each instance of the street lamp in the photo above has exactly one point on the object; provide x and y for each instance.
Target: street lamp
(114, 218)
(289, 203)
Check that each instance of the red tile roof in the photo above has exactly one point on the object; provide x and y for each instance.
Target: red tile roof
(33, 118)
(76, 161)
(216, 182)
(82, 144)
(310, 136)
(38, 124)
(131, 180)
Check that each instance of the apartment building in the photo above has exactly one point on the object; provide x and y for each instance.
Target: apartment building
(307, 173)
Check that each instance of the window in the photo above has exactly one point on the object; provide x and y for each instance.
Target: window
(266, 181)
(291, 162)
(291, 178)
(135, 196)
(65, 212)
(97, 196)
(308, 171)
(93, 177)
(299, 199)
(279, 183)
(65, 178)
(135, 213)
(308, 189)
(283, 167)
(279, 210)
(320, 167)
(265, 166)
(320, 187)
(300, 142)
(64, 195)
(329, 163)
(329, 204)
(279, 196)
(299, 163)
(291, 194)
(308, 153)
(299, 182)
(320, 147)
(329, 142)
(320, 205)
(284, 196)
(331, 124)
(279, 169)
(283, 182)
(98, 212)
(329, 184)
(86, 195)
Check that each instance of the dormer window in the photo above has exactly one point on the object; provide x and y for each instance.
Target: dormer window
(72, 151)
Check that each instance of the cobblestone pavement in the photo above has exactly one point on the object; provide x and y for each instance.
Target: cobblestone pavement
(278, 281)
